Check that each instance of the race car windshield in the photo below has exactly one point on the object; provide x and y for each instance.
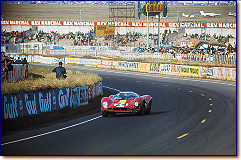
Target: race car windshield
(124, 96)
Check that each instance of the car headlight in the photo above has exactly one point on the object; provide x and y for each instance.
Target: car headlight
(105, 104)
(136, 104)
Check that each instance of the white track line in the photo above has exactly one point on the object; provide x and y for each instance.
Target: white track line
(61, 129)
(112, 89)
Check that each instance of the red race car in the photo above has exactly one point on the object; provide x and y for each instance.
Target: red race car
(125, 102)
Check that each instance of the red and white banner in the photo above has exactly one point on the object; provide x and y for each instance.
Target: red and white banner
(122, 24)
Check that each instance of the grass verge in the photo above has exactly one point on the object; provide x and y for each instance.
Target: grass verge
(41, 78)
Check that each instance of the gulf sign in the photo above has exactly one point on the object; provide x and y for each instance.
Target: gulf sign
(32, 103)
(105, 30)
(154, 8)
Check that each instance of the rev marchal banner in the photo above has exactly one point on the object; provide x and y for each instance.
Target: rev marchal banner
(121, 24)
(105, 30)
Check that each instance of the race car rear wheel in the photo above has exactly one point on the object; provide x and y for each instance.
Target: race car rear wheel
(104, 114)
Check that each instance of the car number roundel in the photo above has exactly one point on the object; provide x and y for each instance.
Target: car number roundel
(120, 104)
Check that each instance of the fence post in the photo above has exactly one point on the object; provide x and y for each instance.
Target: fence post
(235, 58)
(27, 48)
(228, 57)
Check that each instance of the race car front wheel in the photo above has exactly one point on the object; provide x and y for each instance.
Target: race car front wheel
(148, 107)
(104, 114)
(142, 111)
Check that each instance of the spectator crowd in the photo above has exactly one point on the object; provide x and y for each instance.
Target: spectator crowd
(89, 39)
(7, 66)
(78, 38)
(218, 39)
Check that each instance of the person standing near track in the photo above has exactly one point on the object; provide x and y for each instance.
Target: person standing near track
(25, 67)
(60, 71)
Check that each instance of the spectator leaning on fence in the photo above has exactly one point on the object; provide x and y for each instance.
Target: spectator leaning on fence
(3, 59)
(60, 71)
(7, 67)
(18, 61)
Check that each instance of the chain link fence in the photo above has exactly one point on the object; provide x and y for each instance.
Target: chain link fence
(39, 48)
(72, 50)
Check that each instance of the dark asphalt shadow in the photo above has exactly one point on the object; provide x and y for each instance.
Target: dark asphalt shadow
(157, 113)
(133, 115)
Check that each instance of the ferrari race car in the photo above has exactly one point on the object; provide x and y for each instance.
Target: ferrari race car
(125, 102)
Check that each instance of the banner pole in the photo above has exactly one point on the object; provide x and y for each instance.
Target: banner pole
(159, 19)
(147, 32)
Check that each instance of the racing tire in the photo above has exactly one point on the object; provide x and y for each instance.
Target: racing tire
(112, 113)
(148, 109)
(104, 114)
(142, 111)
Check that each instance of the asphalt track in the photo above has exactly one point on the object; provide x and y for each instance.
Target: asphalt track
(188, 117)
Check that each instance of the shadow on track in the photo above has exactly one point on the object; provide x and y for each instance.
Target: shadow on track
(133, 115)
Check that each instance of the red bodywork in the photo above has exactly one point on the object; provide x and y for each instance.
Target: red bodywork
(125, 105)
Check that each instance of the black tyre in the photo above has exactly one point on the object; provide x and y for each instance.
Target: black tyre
(112, 113)
(148, 107)
(104, 114)
(142, 111)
